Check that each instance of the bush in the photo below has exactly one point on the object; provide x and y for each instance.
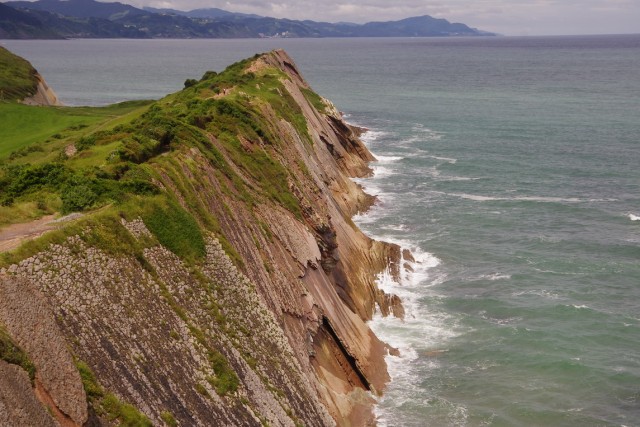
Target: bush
(77, 198)
(226, 380)
(190, 82)
(21, 179)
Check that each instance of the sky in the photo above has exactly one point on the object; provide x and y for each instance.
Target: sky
(508, 17)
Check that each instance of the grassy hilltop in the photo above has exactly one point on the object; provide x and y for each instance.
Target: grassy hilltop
(66, 159)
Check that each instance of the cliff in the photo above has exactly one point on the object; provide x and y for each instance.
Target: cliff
(216, 277)
(44, 94)
(19, 81)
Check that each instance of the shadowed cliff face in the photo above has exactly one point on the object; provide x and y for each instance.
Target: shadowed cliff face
(238, 292)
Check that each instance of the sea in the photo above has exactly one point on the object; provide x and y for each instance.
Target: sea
(509, 166)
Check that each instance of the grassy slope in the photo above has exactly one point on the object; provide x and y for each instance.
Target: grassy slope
(119, 146)
(17, 77)
(23, 125)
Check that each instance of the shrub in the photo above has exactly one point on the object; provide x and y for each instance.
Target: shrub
(226, 380)
(190, 82)
(77, 198)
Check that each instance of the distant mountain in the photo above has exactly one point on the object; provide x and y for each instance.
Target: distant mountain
(16, 24)
(419, 26)
(210, 13)
(90, 18)
(41, 24)
(80, 8)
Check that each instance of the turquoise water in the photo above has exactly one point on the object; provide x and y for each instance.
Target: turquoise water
(509, 166)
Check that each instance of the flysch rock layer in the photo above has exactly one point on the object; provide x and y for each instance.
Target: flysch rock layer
(44, 94)
(290, 317)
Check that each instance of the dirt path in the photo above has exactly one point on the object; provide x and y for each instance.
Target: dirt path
(13, 235)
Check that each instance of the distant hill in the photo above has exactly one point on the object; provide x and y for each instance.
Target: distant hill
(419, 26)
(15, 24)
(209, 13)
(90, 19)
(80, 8)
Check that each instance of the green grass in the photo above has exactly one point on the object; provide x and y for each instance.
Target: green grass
(24, 125)
(107, 404)
(168, 418)
(175, 229)
(17, 77)
(315, 100)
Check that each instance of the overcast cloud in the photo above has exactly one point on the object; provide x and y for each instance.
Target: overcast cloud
(509, 17)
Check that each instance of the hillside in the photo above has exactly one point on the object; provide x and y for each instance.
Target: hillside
(90, 18)
(19, 81)
(214, 277)
(23, 25)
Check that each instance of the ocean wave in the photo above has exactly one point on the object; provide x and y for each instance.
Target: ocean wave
(494, 276)
(369, 187)
(444, 159)
(400, 227)
(381, 171)
(537, 292)
(633, 217)
(580, 307)
(370, 136)
(426, 133)
(421, 328)
(544, 199)
(457, 178)
(387, 159)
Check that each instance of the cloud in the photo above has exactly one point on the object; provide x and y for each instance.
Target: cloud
(514, 17)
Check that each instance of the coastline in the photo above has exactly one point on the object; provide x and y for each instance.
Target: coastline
(305, 272)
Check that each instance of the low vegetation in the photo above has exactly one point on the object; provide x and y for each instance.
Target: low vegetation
(17, 77)
(107, 405)
(11, 353)
(78, 159)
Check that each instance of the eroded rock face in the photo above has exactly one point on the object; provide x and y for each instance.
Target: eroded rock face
(18, 404)
(44, 94)
(27, 316)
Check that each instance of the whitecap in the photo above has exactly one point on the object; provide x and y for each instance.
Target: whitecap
(633, 217)
(495, 276)
(400, 227)
(369, 187)
(458, 178)
(381, 171)
(426, 133)
(444, 159)
(421, 328)
(370, 136)
(544, 199)
(387, 159)
(537, 292)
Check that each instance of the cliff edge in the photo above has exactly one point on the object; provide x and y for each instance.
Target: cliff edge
(216, 278)
(19, 81)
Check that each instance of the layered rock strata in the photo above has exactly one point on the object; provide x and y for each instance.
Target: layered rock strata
(267, 328)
